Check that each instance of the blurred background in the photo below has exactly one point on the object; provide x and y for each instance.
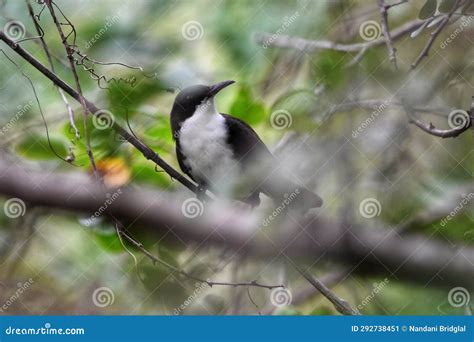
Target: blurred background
(330, 116)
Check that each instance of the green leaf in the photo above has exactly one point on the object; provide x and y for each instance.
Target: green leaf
(144, 172)
(159, 131)
(428, 9)
(154, 276)
(108, 239)
(323, 311)
(331, 68)
(287, 312)
(245, 107)
(104, 142)
(38, 147)
(125, 98)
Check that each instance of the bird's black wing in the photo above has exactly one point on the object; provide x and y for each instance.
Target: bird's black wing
(181, 158)
(250, 150)
(245, 143)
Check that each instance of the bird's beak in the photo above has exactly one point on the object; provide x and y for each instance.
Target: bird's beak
(214, 89)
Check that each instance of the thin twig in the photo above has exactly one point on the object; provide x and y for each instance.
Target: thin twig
(340, 304)
(434, 35)
(431, 129)
(51, 65)
(253, 301)
(386, 32)
(69, 52)
(38, 104)
(211, 283)
(97, 77)
(401, 2)
(309, 292)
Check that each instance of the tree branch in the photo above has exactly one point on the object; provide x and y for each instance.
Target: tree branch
(307, 45)
(69, 53)
(179, 271)
(386, 32)
(431, 129)
(374, 104)
(375, 251)
(303, 294)
(340, 304)
(434, 35)
(43, 44)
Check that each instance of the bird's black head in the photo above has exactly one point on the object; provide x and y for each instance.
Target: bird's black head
(193, 96)
(189, 98)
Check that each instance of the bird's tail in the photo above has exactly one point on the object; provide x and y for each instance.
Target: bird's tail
(291, 195)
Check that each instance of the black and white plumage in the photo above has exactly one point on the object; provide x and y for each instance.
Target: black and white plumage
(224, 154)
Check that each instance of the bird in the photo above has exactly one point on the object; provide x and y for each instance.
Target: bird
(223, 154)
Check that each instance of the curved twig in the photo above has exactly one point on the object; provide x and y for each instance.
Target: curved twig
(431, 129)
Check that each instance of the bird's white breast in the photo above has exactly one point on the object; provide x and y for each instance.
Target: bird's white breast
(203, 141)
